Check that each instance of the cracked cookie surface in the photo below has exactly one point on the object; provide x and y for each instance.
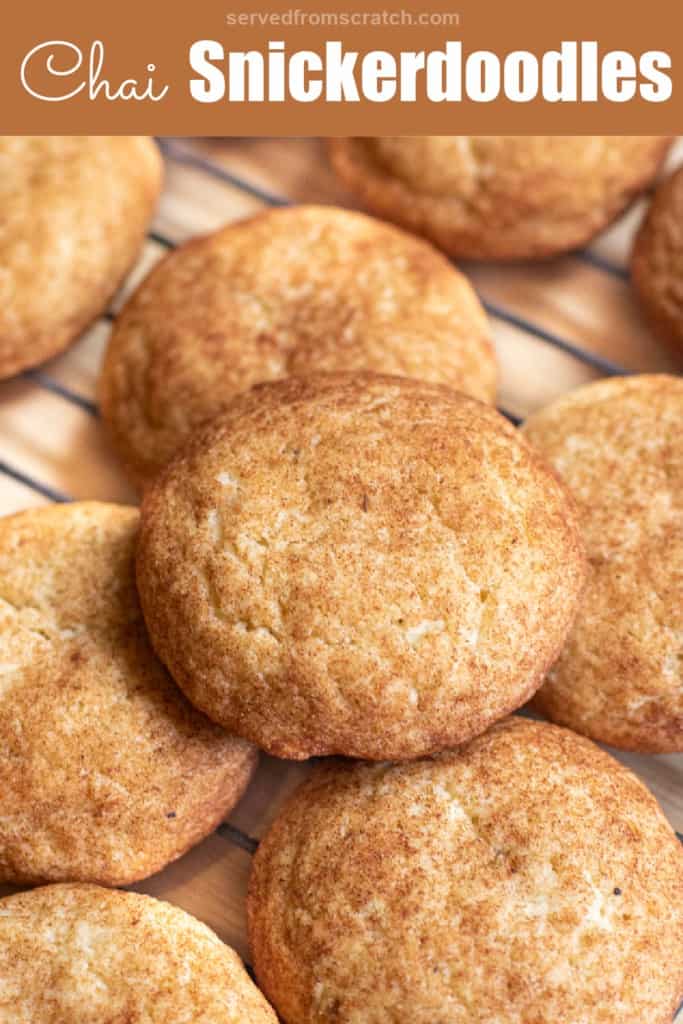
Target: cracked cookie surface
(618, 446)
(73, 215)
(106, 771)
(358, 564)
(78, 954)
(500, 197)
(526, 877)
(285, 293)
(657, 262)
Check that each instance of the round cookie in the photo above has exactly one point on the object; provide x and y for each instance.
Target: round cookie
(657, 262)
(106, 772)
(500, 197)
(288, 292)
(78, 954)
(73, 215)
(618, 446)
(358, 564)
(526, 877)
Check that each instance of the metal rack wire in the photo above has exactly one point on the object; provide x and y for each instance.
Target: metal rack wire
(177, 153)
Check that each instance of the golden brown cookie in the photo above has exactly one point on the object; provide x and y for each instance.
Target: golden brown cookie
(106, 772)
(500, 197)
(657, 262)
(78, 954)
(527, 877)
(357, 564)
(618, 444)
(73, 215)
(286, 293)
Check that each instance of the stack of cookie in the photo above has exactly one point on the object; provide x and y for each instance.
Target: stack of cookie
(344, 549)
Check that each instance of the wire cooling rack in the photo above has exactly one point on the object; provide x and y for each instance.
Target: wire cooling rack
(556, 325)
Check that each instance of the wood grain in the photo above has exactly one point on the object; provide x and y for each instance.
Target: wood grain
(60, 444)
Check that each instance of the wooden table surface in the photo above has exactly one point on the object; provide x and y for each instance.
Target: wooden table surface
(49, 431)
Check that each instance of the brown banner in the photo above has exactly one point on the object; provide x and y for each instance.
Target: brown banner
(231, 67)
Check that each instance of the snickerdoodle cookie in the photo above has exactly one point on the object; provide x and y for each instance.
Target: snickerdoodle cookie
(618, 444)
(286, 293)
(525, 877)
(106, 772)
(657, 262)
(500, 197)
(358, 564)
(73, 215)
(79, 954)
